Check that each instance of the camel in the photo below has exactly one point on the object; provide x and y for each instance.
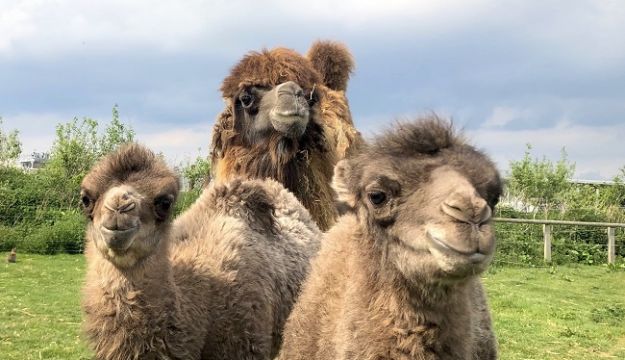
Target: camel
(398, 276)
(222, 293)
(287, 118)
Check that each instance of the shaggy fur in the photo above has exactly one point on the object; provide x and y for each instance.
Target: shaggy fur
(334, 63)
(397, 277)
(305, 164)
(222, 293)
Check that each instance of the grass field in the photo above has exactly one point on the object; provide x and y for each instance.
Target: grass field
(545, 313)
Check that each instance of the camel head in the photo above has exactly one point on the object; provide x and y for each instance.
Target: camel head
(275, 100)
(128, 197)
(426, 200)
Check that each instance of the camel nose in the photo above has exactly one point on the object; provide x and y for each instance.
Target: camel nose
(289, 88)
(467, 206)
(120, 200)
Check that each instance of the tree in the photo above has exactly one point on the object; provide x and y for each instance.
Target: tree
(78, 145)
(197, 172)
(116, 133)
(10, 146)
(539, 183)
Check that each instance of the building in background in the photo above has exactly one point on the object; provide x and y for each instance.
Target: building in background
(34, 161)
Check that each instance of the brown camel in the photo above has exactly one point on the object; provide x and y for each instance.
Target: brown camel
(398, 276)
(222, 293)
(287, 118)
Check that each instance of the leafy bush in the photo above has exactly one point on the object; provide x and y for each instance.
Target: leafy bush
(63, 235)
(186, 199)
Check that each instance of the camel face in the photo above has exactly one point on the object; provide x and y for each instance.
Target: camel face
(283, 109)
(128, 220)
(430, 209)
(451, 235)
(282, 112)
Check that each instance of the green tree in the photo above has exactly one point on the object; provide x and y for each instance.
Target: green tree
(197, 172)
(78, 145)
(540, 184)
(116, 133)
(10, 146)
(591, 202)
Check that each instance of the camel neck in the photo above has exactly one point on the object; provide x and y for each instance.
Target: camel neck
(152, 276)
(421, 293)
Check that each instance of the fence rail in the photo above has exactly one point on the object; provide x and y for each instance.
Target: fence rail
(547, 231)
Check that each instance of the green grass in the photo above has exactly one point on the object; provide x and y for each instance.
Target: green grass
(575, 312)
(539, 313)
(40, 308)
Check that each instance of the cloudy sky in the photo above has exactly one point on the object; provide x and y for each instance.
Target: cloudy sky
(549, 73)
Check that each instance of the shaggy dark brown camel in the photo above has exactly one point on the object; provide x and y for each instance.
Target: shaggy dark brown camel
(222, 293)
(287, 118)
(398, 276)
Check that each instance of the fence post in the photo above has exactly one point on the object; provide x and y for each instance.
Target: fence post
(611, 245)
(547, 236)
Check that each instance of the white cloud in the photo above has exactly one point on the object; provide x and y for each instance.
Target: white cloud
(596, 150)
(178, 145)
(36, 130)
(502, 115)
(50, 28)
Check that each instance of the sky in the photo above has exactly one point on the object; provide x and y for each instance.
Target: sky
(547, 73)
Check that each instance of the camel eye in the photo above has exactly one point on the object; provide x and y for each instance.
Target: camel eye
(246, 99)
(85, 201)
(162, 205)
(377, 197)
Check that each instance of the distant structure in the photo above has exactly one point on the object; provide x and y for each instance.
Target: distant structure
(34, 161)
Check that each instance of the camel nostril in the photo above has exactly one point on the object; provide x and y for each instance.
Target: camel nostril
(127, 207)
(455, 212)
(467, 207)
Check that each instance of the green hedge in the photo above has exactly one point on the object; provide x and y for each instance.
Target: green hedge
(65, 234)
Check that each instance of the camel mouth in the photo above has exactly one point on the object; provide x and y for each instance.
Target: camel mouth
(440, 245)
(118, 240)
(292, 125)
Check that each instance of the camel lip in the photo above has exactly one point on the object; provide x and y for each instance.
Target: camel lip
(290, 114)
(119, 232)
(440, 245)
(118, 240)
(290, 126)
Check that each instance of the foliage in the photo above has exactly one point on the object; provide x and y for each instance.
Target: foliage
(541, 188)
(540, 184)
(78, 145)
(185, 200)
(197, 172)
(39, 210)
(10, 146)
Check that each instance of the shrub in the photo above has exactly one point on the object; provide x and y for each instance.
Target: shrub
(63, 235)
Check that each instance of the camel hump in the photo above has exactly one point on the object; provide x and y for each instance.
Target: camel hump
(333, 61)
(247, 199)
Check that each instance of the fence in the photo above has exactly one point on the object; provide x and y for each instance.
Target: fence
(548, 227)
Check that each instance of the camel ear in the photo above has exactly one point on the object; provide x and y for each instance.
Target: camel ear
(345, 198)
(333, 61)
